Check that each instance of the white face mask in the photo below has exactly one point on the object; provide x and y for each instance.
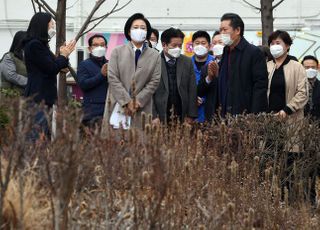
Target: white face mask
(175, 52)
(311, 73)
(217, 50)
(276, 51)
(51, 32)
(138, 35)
(99, 51)
(154, 44)
(200, 50)
(226, 39)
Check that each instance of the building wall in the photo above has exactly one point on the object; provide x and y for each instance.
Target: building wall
(189, 15)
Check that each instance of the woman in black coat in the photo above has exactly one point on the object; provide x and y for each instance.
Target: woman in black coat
(43, 67)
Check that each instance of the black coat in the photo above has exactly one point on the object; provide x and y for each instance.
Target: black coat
(42, 67)
(210, 91)
(248, 79)
(315, 111)
(94, 87)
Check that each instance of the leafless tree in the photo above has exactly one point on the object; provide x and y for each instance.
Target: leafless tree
(266, 9)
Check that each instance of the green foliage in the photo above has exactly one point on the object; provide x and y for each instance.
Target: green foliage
(4, 118)
(74, 104)
(8, 92)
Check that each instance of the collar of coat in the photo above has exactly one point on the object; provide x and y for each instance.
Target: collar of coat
(241, 45)
(144, 46)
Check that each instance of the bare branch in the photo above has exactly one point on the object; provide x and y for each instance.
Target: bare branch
(101, 18)
(251, 5)
(39, 5)
(43, 5)
(276, 5)
(46, 5)
(33, 6)
(69, 7)
(86, 23)
(72, 72)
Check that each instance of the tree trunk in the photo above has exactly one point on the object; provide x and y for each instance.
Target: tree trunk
(266, 19)
(61, 220)
(62, 83)
(61, 38)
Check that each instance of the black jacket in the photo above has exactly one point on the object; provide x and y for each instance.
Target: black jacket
(94, 87)
(42, 67)
(315, 111)
(210, 91)
(248, 79)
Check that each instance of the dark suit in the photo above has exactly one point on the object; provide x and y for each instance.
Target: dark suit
(210, 91)
(94, 86)
(187, 88)
(42, 67)
(315, 97)
(243, 79)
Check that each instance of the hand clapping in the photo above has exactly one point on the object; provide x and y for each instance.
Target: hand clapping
(213, 70)
(104, 69)
(67, 49)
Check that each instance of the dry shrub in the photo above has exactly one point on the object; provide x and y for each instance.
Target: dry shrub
(233, 174)
(26, 204)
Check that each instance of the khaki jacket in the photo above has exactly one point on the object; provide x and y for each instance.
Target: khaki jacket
(297, 93)
(122, 72)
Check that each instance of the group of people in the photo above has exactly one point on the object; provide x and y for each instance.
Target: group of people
(226, 74)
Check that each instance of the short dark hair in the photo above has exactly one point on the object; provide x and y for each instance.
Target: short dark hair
(235, 21)
(171, 33)
(96, 36)
(201, 34)
(215, 33)
(285, 37)
(310, 57)
(156, 32)
(129, 22)
(16, 46)
(38, 27)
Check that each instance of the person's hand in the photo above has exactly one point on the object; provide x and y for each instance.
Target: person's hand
(137, 105)
(282, 114)
(156, 121)
(199, 101)
(104, 69)
(127, 111)
(65, 70)
(189, 120)
(68, 48)
(213, 70)
(133, 107)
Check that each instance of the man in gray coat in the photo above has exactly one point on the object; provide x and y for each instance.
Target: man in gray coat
(176, 95)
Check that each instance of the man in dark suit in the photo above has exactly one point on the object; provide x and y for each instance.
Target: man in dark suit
(177, 91)
(92, 79)
(243, 77)
(312, 108)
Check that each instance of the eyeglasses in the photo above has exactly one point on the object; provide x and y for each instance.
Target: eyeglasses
(96, 45)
